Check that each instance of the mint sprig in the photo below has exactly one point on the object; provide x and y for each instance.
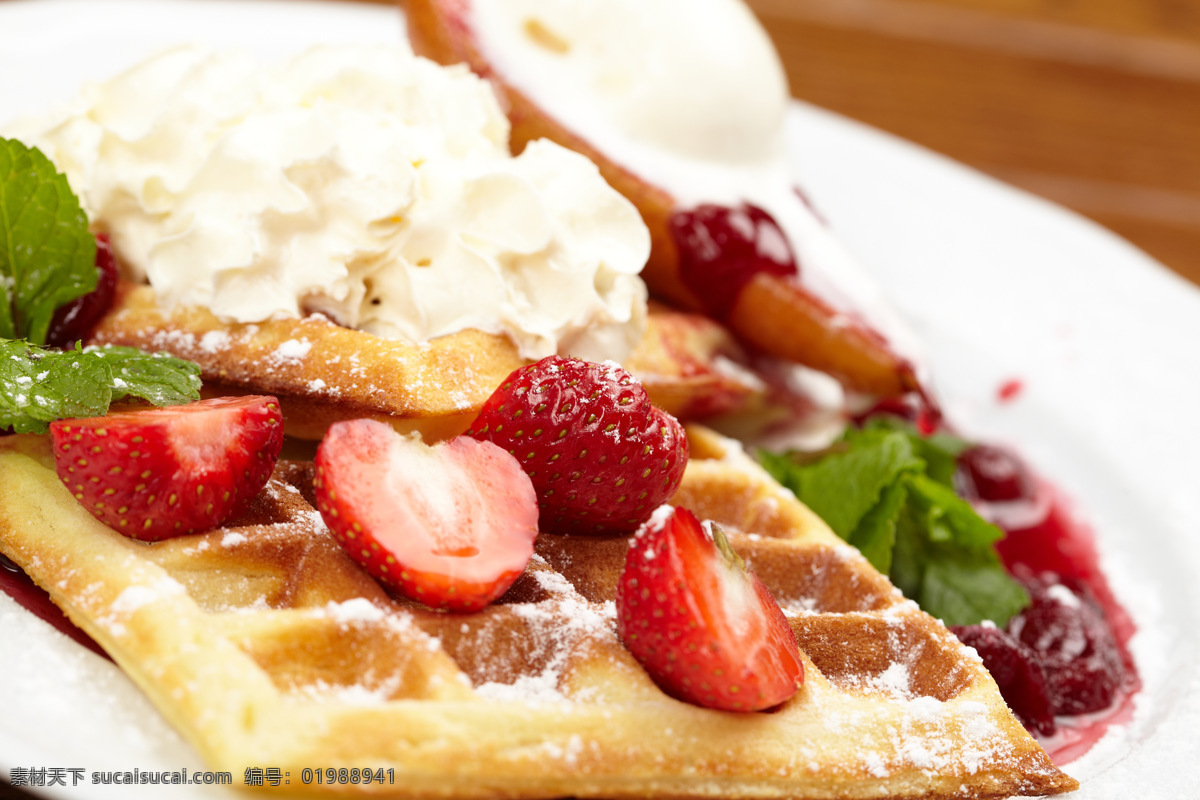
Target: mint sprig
(889, 492)
(38, 386)
(47, 254)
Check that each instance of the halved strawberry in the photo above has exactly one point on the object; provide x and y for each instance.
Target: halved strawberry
(450, 525)
(160, 472)
(705, 629)
(600, 456)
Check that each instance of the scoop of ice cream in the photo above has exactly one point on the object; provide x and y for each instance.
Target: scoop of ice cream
(365, 183)
(699, 78)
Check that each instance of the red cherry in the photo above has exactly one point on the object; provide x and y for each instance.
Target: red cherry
(722, 248)
(75, 320)
(994, 475)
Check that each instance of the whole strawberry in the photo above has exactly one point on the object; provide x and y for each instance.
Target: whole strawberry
(160, 472)
(600, 456)
(704, 628)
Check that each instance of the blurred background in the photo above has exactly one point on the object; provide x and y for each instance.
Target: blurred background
(1093, 104)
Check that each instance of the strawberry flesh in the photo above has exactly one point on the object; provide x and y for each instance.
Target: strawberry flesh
(450, 525)
(705, 629)
(600, 456)
(160, 472)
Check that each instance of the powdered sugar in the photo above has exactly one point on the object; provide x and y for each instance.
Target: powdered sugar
(215, 341)
(894, 681)
(356, 610)
(1063, 595)
(133, 598)
(659, 518)
(936, 737)
(292, 350)
(351, 695)
(539, 688)
(558, 627)
(568, 753)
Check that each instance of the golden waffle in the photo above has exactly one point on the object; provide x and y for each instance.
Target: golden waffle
(322, 372)
(265, 645)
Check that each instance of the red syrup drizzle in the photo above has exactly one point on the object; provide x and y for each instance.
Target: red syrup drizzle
(17, 585)
(1010, 390)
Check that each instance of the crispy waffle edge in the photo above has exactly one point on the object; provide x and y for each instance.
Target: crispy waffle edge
(322, 372)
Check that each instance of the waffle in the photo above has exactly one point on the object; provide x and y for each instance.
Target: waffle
(266, 646)
(322, 372)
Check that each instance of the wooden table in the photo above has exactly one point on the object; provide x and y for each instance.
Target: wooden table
(1093, 104)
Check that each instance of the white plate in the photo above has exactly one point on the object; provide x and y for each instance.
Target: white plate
(1000, 285)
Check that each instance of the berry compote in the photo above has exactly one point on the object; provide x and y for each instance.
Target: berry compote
(1074, 630)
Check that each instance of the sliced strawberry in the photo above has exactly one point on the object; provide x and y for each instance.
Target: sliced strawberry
(450, 525)
(601, 457)
(705, 629)
(160, 472)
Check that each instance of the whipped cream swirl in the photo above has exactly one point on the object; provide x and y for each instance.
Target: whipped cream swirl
(368, 184)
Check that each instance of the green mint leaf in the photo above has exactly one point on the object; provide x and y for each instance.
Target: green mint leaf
(910, 554)
(47, 254)
(846, 484)
(889, 492)
(939, 450)
(952, 514)
(944, 560)
(961, 590)
(38, 386)
(963, 582)
(875, 535)
(157, 378)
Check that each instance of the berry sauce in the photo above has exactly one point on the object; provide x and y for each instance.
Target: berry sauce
(1082, 631)
(722, 248)
(1060, 543)
(17, 585)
